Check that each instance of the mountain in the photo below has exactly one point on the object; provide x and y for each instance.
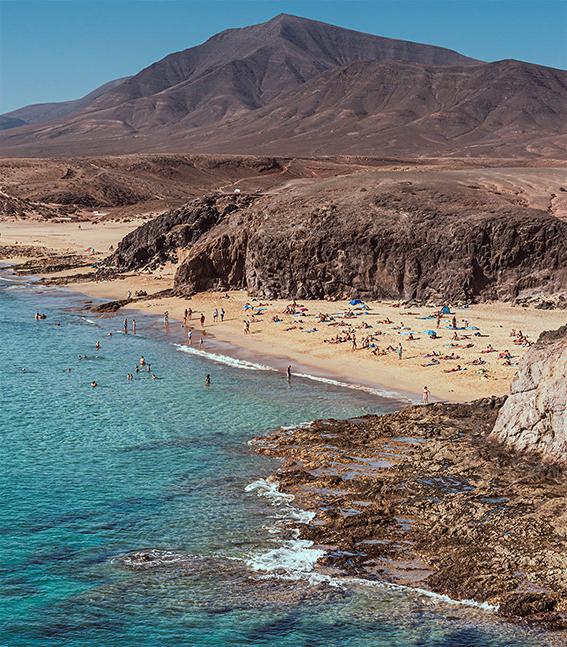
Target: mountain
(39, 113)
(298, 86)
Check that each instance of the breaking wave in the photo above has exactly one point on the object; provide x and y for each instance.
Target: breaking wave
(224, 359)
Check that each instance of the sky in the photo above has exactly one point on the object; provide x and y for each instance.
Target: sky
(56, 50)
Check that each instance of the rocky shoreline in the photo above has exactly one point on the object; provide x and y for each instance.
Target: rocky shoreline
(423, 498)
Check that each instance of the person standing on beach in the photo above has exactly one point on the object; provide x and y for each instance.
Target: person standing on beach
(222, 314)
(246, 327)
(215, 315)
(425, 398)
(190, 336)
(454, 322)
(202, 320)
(288, 372)
(400, 351)
(354, 347)
(438, 319)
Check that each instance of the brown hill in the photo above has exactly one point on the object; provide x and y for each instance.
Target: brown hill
(298, 86)
(417, 236)
(40, 113)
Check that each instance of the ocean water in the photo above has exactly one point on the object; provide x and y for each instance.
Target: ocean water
(89, 476)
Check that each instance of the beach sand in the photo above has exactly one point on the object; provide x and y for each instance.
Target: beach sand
(300, 340)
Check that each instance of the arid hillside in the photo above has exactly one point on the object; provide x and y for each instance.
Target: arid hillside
(417, 235)
(293, 86)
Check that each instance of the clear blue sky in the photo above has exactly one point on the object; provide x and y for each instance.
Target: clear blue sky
(57, 50)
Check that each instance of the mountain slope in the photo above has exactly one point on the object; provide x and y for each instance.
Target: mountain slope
(298, 86)
(39, 113)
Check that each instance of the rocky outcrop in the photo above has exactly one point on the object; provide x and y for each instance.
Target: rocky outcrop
(358, 237)
(421, 498)
(534, 417)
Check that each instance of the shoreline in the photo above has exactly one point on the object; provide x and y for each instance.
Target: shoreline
(410, 499)
(454, 371)
(315, 502)
(405, 378)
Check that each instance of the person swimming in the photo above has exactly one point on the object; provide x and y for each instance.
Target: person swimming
(94, 384)
(97, 345)
(142, 361)
(207, 380)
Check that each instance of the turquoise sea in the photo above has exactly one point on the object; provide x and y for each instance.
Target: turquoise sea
(89, 476)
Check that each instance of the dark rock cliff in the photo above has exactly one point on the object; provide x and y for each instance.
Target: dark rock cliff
(346, 237)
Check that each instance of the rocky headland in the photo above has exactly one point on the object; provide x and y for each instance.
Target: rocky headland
(411, 237)
(426, 497)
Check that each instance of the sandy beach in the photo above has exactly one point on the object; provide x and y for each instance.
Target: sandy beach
(304, 341)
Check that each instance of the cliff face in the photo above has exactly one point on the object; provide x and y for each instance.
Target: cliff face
(350, 237)
(534, 417)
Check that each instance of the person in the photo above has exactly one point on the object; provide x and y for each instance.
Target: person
(438, 319)
(354, 342)
(166, 317)
(134, 326)
(425, 398)
(207, 380)
(215, 315)
(190, 336)
(142, 361)
(154, 376)
(202, 320)
(288, 371)
(137, 369)
(94, 384)
(454, 322)
(222, 314)
(201, 340)
(129, 295)
(400, 351)
(246, 327)
(130, 377)
(125, 325)
(149, 367)
(97, 345)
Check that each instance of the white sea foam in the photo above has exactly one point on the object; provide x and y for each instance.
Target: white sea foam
(299, 425)
(7, 279)
(358, 387)
(430, 594)
(224, 359)
(293, 558)
(270, 490)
